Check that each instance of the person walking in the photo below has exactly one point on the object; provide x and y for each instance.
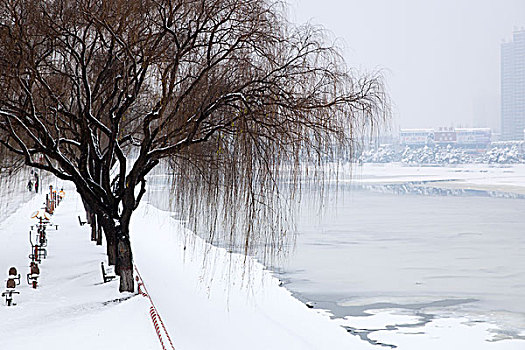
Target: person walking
(36, 182)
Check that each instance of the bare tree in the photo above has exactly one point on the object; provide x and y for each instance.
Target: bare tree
(234, 96)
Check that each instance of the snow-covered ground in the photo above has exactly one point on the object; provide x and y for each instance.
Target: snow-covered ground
(208, 298)
(484, 177)
(71, 308)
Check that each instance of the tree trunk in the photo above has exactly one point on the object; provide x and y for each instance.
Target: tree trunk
(124, 264)
(93, 223)
(88, 217)
(111, 238)
(119, 251)
(111, 242)
(99, 231)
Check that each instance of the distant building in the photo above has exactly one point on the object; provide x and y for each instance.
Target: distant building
(416, 137)
(469, 138)
(445, 136)
(513, 87)
(473, 137)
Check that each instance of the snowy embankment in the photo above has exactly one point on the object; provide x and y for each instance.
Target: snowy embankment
(208, 298)
(480, 177)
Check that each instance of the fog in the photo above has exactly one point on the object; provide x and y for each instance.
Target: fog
(440, 58)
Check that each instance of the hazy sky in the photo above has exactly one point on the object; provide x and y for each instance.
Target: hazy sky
(441, 58)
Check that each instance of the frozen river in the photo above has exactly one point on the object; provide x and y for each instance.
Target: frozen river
(465, 247)
(388, 264)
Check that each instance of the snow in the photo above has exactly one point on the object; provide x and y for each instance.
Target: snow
(485, 177)
(68, 309)
(443, 155)
(14, 192)
(208, 298)
(236, 304)
(419, 271)
(445, 333)
(211, 299)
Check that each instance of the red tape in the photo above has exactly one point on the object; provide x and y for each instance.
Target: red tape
(154, 314)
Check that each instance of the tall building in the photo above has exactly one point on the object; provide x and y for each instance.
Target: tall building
(513, 87)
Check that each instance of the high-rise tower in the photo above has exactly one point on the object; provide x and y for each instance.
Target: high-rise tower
(513, 87)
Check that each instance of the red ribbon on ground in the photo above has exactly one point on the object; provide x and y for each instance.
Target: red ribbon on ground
(153, 312)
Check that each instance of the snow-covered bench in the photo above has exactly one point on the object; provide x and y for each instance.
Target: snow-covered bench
(105, 275)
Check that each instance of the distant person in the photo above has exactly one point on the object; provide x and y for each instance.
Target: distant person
(30, 186)
(36, 183)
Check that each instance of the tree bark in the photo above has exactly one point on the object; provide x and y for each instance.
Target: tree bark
(119, 251)
(111, 243)
(93, 223)
(87, 208)
(124, 264)
(99, 231)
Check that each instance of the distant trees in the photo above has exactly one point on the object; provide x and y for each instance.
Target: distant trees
(234, 96)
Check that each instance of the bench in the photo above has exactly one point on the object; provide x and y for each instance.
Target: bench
(82, 223)
(105, 276)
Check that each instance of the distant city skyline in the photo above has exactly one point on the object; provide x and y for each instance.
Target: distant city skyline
(513, 87)
(440, 58)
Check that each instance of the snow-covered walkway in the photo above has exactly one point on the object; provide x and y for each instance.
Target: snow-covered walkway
(71, 309)
(208, 298)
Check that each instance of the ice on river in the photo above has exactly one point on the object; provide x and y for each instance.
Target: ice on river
(418, 271)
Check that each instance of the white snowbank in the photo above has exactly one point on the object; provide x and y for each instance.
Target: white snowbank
(510, 178)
